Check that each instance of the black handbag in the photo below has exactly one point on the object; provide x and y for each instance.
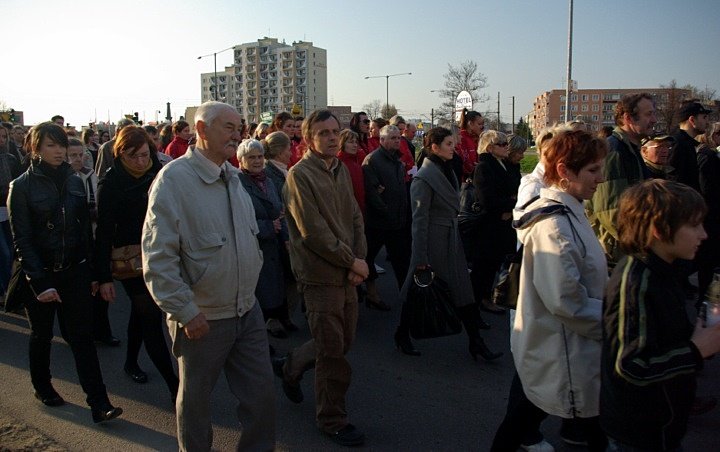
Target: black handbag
(432, 313)
(471, 213)
(19, 291)
(506, 286)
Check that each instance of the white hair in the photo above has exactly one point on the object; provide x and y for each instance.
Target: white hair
(386, 130)
(208, 111)
(248, 145)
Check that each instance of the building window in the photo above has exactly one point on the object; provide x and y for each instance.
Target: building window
(584, 107)
(562, 107)
(595, 97)
(573, 107)
(573, 98)
(596, 107)
(584, 97)
(562, 98)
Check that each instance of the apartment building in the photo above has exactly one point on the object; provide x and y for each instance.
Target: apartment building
(595, 106)
(268, 77)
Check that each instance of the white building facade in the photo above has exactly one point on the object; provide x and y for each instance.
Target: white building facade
(270, 77)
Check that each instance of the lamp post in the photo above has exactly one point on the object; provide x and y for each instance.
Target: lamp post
(214, 55)
(387, 85)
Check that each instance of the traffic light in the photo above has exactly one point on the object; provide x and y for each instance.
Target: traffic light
(136, 118)
(13, 118)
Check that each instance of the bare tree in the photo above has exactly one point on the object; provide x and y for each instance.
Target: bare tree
(388, 111)
(464, 77)
(373, 108)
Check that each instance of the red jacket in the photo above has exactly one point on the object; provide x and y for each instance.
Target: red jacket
(467, 150)
(297, 149)
(177, 147)
(353, 163)
(373, 143)
(407, 158)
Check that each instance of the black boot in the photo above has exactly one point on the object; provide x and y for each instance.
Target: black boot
(477, 347)
(471, 320)
(404, 344)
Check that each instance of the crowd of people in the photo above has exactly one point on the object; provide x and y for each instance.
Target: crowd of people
(232, 224)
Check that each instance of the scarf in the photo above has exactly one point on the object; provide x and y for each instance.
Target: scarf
(135, 173)
(258, 178)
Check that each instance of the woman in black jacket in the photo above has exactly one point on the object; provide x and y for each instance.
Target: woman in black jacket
(49, 218)
(122, 202)
(495, 196)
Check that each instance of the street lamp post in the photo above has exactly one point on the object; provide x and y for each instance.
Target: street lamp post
(387, 84)
(214, 55)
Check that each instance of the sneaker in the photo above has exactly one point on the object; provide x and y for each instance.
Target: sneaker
(542, 446)
(347, 436)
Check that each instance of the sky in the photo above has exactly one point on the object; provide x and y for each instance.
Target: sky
(98, 60)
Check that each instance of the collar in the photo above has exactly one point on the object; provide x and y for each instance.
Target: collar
(658, 265)
(574, 204)
(279, 165)
(313, 158)
(389, 154)
(208, 171)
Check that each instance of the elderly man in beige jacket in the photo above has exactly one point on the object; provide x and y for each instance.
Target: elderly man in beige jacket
(201, 262)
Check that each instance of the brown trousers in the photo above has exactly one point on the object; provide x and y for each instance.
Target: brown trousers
(332, 314)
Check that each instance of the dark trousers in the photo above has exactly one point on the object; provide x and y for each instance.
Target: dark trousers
(75, 318)
(101, 321)
(146, 326)
(397, 243)
(523, 419)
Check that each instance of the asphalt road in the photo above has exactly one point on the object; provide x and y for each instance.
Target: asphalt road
(439, 401)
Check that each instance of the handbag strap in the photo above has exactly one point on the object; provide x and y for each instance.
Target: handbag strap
(418, 273)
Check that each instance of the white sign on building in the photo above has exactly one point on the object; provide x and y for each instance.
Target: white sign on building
(463, 100)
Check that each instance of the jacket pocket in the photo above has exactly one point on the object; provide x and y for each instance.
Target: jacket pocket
(198, 252)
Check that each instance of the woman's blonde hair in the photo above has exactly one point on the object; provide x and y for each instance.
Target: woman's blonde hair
(489, 138)
(275, 144)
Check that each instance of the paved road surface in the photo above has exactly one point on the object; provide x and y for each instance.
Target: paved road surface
(439, 401)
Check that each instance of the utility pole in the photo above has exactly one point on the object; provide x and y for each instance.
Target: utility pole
(498, 112)
(568, 88)
(513, 114)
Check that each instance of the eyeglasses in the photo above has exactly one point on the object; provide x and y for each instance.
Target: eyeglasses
(366, 121)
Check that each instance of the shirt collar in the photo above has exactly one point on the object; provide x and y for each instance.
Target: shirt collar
(206, 169)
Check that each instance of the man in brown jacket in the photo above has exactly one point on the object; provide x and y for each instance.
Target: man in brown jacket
(327, 252)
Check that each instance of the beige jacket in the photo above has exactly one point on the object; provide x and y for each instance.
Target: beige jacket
(199, 246)
(557, 333)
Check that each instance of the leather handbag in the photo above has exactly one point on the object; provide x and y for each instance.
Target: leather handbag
(126, 262)
(432, 312)
(506, 286)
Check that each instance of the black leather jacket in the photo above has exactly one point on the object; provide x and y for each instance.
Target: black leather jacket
(51, 228)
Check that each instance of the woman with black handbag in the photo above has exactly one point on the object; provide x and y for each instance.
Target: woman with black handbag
(436, 242)
(50, 222)
(122, 201)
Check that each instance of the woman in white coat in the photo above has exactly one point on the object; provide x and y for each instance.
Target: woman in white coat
(557, 333)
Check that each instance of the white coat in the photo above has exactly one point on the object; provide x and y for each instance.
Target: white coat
(556, 338)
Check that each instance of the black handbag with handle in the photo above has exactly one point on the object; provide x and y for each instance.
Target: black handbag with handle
(432, 313)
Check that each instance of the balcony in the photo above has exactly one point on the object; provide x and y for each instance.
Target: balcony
(300, 54)
(239, 78)
(250, 68)
(250, 51)
(263, 50)
(287, 55)
(251, 85)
